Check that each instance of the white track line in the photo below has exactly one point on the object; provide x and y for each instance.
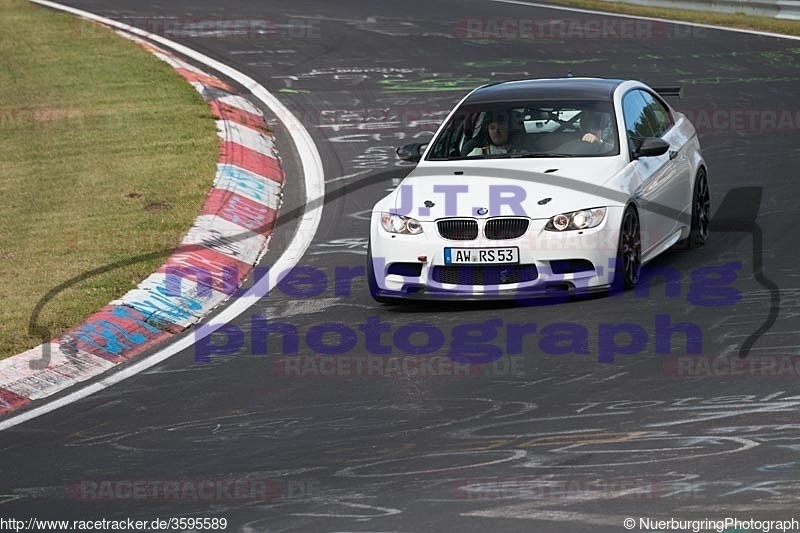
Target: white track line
(640, 17)
(314, 192)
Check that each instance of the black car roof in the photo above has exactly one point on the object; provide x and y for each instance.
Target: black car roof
(545, 89)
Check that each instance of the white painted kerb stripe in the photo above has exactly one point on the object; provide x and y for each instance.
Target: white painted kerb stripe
(65, 369)
(314, 192)
(248, 137)
(234, 100)
(171, 61)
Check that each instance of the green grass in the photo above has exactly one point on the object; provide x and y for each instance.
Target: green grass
(107, 155)
(787, 27)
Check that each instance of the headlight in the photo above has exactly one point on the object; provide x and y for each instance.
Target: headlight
(400, 224)
(583, 219)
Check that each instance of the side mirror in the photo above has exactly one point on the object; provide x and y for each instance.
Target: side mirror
(411, 152)
(650, 147)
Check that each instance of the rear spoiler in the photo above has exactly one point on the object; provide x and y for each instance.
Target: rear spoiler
(669, 91)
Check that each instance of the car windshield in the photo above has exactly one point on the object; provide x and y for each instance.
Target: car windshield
(528, 129)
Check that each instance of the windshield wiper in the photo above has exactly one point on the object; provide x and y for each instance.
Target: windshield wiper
(538, 154)
(501, 156)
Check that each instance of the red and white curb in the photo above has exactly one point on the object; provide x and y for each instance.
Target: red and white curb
(225, 242)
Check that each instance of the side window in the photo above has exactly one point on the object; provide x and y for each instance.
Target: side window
(637, 122)
(657, 113)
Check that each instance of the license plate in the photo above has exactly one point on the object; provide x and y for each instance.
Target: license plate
(468, 256)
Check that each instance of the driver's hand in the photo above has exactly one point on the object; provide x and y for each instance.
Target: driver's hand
(590, 138)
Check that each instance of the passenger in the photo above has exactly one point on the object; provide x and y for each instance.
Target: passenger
(594, 124)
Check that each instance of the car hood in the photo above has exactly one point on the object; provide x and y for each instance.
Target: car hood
(521, 187)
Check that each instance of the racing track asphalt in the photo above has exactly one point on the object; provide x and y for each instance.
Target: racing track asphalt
(561, 444)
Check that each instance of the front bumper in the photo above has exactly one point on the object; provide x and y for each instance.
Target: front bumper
(550, 264)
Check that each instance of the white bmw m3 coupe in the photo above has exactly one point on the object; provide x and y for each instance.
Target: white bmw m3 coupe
(541, 187)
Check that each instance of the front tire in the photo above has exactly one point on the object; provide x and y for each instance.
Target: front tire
(628, 263)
